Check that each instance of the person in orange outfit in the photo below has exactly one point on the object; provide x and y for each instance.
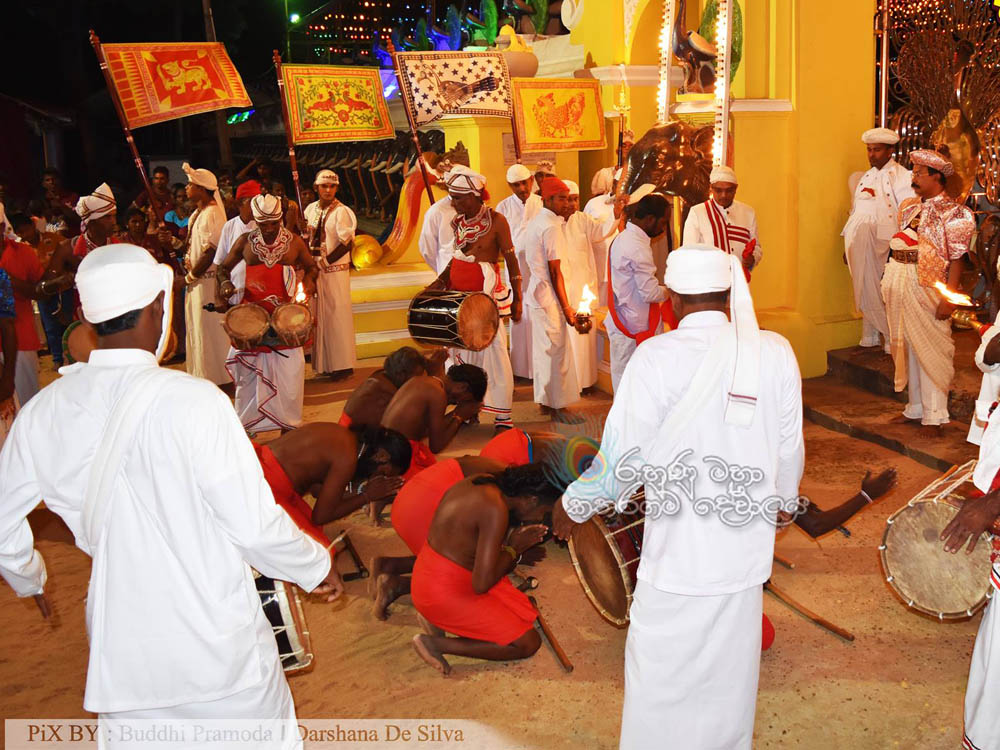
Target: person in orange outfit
(460, 583)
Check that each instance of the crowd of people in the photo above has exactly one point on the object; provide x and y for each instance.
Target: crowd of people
(174, 494)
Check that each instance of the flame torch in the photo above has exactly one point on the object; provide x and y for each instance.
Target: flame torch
(584, 320)
(965, 315)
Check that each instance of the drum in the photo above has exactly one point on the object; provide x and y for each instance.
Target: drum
(283, 609)
(927, 579)
(466, 320)
(605, 552)
(293, 323)
(79, 340)
(246, 325)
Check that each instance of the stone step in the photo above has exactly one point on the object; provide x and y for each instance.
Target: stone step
(831, 403)
(871, 370)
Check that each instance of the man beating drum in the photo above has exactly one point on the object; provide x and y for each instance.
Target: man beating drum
(481, 237)
(270, 380)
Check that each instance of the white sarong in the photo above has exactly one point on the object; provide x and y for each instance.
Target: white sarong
(866, 259)
(206, 340)
(520, 332)
(691, 670)
(555, 382)
(495, 360)
(333, 348)
(270, 387)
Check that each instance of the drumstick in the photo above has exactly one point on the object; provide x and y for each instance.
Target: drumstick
(823, 623)
(784, 561)
(551, 638)
(43, 605)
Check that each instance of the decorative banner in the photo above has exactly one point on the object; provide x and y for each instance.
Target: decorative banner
(157, 82)
(332, 103)
(454, 83)
(559, 114)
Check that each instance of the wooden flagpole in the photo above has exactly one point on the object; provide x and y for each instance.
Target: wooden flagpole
(292, 163)
(411, 121)
(99, 51)
(516, 133)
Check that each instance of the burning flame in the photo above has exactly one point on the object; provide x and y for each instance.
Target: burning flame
(955, 298)
(300, 293)
(586, 300)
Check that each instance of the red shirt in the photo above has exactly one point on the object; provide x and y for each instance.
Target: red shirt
(21, 262)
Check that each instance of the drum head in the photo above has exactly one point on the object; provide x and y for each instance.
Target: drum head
(478, 321)
(599, 564)
(927, 578)
(246, 320)
(79, 340)
(291, 317)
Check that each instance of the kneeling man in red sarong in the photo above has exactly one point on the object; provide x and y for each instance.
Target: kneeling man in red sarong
(460, 583)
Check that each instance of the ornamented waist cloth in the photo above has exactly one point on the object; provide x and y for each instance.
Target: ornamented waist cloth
(470, 275)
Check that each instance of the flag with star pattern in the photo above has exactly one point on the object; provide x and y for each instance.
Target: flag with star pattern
(454, 83)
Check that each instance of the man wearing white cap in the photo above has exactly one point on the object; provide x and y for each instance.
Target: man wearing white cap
(634, 293)
(480, 237)
(436, 235)
(98, 213)
(331, 228)
(603, 208)
(873, 221)
(161, 487)
(936, 232)
(714, 409)
(207, 344)
(724, 221)
(270, 378)
(556, 385)
(20, 261)
(583, 236)
(519, 208)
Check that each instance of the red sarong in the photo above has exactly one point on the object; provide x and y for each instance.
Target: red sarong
(766, 634)
(421, 459)
(510, 446)
(466, 277)
(345, 421)
(414, 506)
(442, 592)
(286, 496)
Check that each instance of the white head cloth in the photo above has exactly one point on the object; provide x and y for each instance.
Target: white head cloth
(723, 174)
(99, 203)
(641, 192)
(266, 208)
(465, 182)
(204, 178)
(518, 173)
(326, 177)
(574, 189)
(934, 160)
(546, 166)
(700, 269)
(880, 135)
(115, 279)
(602, 181)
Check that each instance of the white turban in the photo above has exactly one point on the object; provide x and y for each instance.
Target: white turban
(602, 181)
(574, 189)
(115, 279)
(466, 182)
(99, 203)
(880, 135)
(723, 174)
(701, 269)
(204, 178)
(266, 208)
(518, 173)
(326, 177)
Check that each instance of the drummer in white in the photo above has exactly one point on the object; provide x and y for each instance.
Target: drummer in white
(331, 228)
(702, 402)
(157, 481)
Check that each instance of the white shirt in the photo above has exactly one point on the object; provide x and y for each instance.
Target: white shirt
(602, 208)
(544, 240)
(437, 238)
(232, 230)
(204, 231)
(341, 224)
(583, 234)
(519, 215)
(690, 552)
(172, 612)
(633, 279)
(698, 228)
(892, 184)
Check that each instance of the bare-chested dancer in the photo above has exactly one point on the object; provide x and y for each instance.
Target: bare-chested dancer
(367, 403)
(482, 236)
(460, 583)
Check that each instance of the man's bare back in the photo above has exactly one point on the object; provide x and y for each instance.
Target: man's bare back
(467, 512)
(308, 453)
(410, 408)
(368, 402)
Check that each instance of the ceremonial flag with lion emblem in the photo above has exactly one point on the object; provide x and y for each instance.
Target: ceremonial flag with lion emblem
(333, 103)
(559, 114)
(454, 83)
(157, 82)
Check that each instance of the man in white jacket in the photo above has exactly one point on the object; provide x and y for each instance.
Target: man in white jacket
(159, 484)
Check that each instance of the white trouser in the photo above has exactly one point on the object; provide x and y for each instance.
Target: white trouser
(926, 401)
(982, 695)
(26, 376)
(691, 670)
(334, 344)
(866, 258)
(207, 343)
(495, 360)
(622, 348)
(555, 383)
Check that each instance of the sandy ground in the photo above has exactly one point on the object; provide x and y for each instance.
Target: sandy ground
(899, 684)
